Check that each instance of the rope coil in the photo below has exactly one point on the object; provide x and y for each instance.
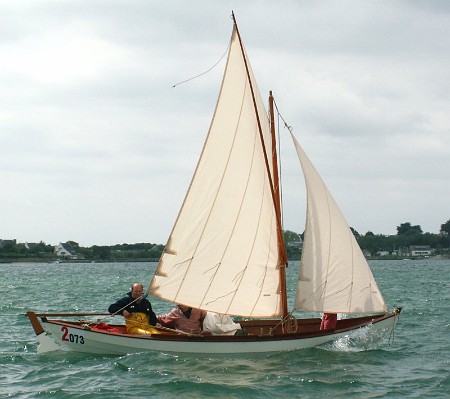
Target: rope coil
(288, 324)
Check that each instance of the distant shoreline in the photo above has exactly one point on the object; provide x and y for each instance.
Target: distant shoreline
(68, 261)
(63, 261)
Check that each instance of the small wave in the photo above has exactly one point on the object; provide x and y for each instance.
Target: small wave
(364, 339)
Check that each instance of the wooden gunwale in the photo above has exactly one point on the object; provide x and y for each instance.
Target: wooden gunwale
(343, 326)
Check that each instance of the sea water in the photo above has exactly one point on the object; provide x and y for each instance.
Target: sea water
(414, 363)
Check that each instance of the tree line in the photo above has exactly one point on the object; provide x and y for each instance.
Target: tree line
(407, 235)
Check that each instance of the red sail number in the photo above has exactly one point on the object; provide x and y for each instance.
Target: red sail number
(65, 330)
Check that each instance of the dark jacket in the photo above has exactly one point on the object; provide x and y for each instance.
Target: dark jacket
(143, 306)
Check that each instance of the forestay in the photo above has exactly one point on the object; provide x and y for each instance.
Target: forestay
(334, 276)
(222, 252)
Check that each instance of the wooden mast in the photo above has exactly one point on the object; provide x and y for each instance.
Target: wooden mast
(273, 188)
(282, 257)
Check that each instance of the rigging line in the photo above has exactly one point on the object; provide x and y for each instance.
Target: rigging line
(280, 166)
(143, 296)
(204, 73)
(392, 334)
(288, 127)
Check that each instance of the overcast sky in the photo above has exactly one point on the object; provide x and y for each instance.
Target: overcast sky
(96, 146)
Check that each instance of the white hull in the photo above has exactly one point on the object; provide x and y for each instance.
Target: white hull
(88, 341)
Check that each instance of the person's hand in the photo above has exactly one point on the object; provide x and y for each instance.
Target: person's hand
(158, 325)
(126, 313)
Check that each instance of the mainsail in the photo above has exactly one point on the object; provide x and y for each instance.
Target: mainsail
(334, 275)
(222, 253)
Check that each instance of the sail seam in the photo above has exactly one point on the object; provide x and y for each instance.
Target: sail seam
(254, 236)
(329, 244)
(217, 194)
(218, 190)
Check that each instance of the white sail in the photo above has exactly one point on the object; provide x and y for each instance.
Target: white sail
(222, 253)
(334, 275)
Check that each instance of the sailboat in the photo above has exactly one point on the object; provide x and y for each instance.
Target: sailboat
(226, 253)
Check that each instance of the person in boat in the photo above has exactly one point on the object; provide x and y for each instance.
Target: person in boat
(137, 311)
(221, 324)
(184, 318)
(329, 321)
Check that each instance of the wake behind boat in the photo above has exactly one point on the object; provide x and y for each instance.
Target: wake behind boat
(226, 252)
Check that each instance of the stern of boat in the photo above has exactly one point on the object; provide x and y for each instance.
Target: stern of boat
(45, 339)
